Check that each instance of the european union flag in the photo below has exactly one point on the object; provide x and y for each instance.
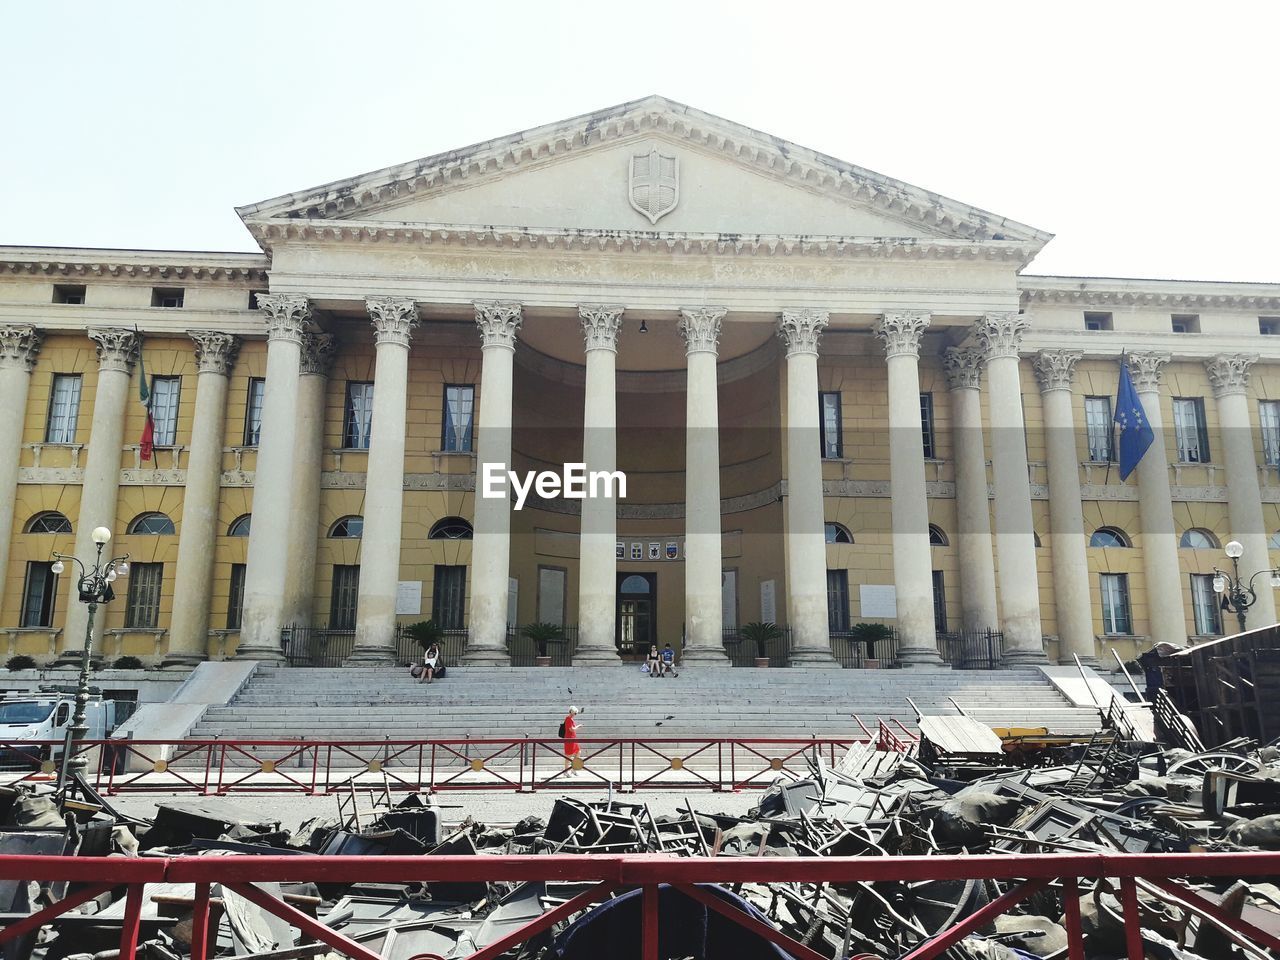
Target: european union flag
(1135, 431)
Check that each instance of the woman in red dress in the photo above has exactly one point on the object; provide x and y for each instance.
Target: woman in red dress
(571, 737)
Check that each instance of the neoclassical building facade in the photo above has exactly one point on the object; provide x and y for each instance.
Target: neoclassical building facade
(835, 397)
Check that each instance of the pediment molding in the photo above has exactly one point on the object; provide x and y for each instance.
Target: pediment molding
(791, 163)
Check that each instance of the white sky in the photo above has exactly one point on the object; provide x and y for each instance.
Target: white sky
(1142, 134)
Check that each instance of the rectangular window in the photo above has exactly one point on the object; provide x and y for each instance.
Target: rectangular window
(1098, 321)
(253, 411)
(170, 297)
(1269, 326)
(939, 602)
(142, 610)
(1115, 604)
(449, 596)
(38, 594)
(1204, 605)
(832, 428)
(64, 408)
(1185, 323)
(357, 420)
(459, 415)
(551, 595)
(926, 425)
(342, 597)
(68, 293)
(1190, 431)
(1100, 428)
(1269, 418)
(235, 599)
(838, 600)
(164, 409)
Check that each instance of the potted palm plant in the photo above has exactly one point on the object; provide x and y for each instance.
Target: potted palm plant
(870, 634)
(425, 633)
(761, 634)
(541, 634)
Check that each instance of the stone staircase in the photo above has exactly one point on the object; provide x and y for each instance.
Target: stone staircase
(704, 702)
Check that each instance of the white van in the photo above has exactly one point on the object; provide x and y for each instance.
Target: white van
(46, 717)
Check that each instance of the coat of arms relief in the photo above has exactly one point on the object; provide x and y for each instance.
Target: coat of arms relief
(653, 185)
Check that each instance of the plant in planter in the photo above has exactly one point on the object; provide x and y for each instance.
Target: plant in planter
(870, 634)
(21, 662)
(541, 634)
(760, 635)
(425, 633)
(127, 663)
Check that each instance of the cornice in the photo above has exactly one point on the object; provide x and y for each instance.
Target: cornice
(134, 264)
(268, 232)
(750, 148)
(1172, 294)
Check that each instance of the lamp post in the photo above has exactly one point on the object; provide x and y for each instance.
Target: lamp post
(94, 586)
(1237, 595)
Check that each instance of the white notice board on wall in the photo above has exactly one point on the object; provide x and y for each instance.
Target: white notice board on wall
(409, 598)
(768, 602)
(878, 601)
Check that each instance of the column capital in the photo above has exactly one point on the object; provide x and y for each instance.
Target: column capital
(1056, 369)
(117, 348)
(215, 351)
(393, 319)
(499, 321)
(600, 325)
(900, 332)
(1145, 370)
(285, 314)
(318, 350)
(964, 368)
(700, 327)
(802, 329)
(1229, 372)
(19, 344)
(1000, 333)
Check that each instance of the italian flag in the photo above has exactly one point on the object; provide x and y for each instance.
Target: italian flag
(147, 443)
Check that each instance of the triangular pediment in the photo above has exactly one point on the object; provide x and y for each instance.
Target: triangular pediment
(651, 165)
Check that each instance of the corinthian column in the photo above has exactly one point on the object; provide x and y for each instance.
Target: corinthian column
(597, 564)
(308, 449)
(806, 550)
(1158, 541)
(193, 580)
(909, 507)
(117, 353)
(19, 345)
(1055, 370)
(973, 509)
(703, 594)
(393, 322)
(1229, 377)
(491, 545)
(1000, 335)
(286, 317)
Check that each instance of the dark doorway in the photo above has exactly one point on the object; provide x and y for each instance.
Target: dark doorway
(637, 613)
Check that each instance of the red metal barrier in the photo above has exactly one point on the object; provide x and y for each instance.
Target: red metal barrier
(317, 767)
(1154, 873)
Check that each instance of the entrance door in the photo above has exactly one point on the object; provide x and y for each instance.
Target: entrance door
(637, 613)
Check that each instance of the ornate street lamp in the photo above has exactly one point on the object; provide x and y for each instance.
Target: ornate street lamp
(1238, 596)
(94, 586)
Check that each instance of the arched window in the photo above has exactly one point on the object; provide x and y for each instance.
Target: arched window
(1198, 538)
(150, 524)
(348, 528)
(1109, 537)
(51, 521)
(634, 584)
(450, 528)
(240, 526)
(837, 533)
(936, 537)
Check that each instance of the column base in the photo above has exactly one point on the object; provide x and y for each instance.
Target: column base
(370, 656)
(182, 661)
(910, 657)
(813, 658)
(254, 651)
(596, 657)
(708, 656)
(1020, 658)
(486, 656)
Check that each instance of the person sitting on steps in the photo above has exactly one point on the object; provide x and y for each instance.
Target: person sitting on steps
(653, 662)
(669, 661)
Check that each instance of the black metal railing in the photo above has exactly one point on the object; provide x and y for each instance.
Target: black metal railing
(973, 650)
(524, 651)
(453, 644)
(743, 652)
(856, 652)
